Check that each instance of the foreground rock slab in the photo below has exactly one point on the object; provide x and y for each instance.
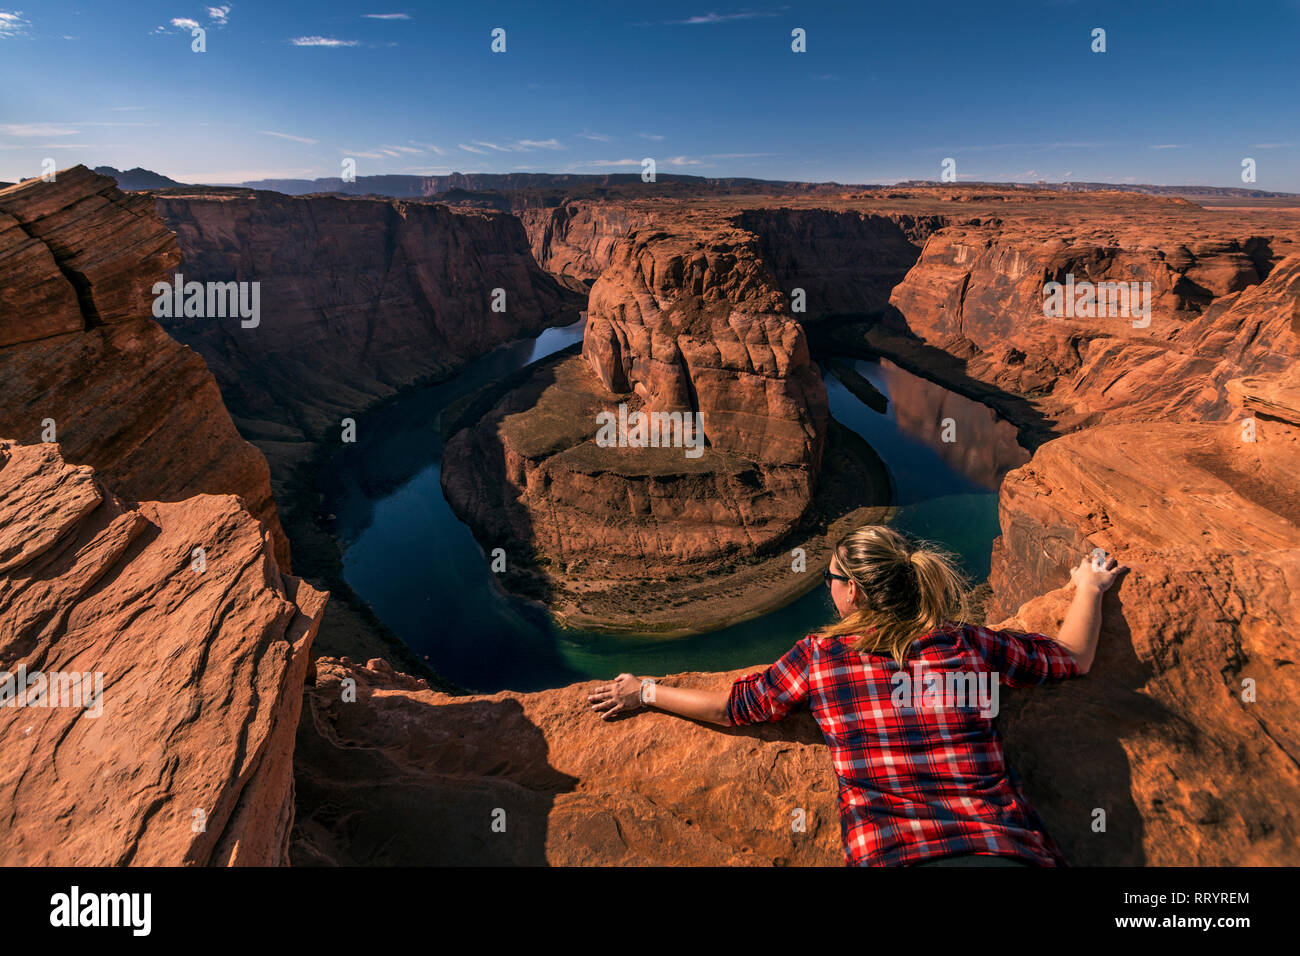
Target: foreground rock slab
(180, 750)
(403, 775)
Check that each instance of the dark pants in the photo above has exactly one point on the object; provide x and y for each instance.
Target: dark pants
(974, 859)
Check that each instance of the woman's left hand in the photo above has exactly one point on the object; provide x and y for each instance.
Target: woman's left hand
(616, 698)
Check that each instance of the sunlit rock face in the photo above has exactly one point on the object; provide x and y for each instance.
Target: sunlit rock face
(189, 649)
(81, 353)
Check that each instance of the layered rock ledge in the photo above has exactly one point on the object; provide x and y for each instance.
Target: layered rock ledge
(78, 349)
(200, 666)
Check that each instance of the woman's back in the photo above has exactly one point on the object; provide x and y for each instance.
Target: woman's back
(921, 769)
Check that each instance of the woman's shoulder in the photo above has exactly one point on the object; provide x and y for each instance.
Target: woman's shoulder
(830, 643)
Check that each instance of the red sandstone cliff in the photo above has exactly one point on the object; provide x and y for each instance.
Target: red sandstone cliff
(979, 288)
(189, 760)
(1192, 764)
(359, 297)
(78, 259)
(575, 240)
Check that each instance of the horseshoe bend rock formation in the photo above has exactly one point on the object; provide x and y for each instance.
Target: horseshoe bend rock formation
(179, 752)
(685, 320)
(78, 259)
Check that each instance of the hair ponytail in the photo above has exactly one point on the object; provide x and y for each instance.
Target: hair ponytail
(906, 589)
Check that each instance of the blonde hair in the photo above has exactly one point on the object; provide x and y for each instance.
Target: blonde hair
(907, 589)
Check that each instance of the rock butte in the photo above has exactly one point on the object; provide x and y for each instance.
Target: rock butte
(1138, 448)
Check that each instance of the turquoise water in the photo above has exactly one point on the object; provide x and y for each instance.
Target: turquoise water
(424, 575)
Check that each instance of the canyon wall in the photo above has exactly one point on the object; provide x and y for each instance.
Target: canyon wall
(846, 261)
(575, 240)
(977, 290)
(358, 299)
(178, 750)
(78, 259)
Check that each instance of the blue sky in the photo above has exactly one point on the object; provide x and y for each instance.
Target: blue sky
(1011, 90)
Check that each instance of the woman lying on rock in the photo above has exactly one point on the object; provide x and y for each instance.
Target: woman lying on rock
(902, 693)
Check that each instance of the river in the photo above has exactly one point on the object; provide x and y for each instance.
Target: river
(419, 568)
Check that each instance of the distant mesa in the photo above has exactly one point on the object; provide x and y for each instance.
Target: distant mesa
(485, 189)
(137, 178)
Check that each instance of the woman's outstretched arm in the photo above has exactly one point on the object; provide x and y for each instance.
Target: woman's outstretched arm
(763, 695)
(1082, 622)
(623, 695)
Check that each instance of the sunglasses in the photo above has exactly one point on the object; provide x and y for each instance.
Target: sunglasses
(828, 577)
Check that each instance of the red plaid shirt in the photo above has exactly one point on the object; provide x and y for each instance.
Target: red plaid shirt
(916, 781)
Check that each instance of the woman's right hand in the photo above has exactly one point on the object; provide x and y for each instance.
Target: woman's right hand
(1097, 575)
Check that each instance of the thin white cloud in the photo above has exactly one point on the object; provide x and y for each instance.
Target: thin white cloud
(387, 16)
(654, 136)
(219, 14)
(34, 129)
(595, 137)
(1167, 146)
(610, 162)
(725, 17)
(184, 23)
(13, 24)
(472, 149)
(321, 41)
(958, 150)
(1270, 145)
(430, 147)
(518, 146)
(296, 139)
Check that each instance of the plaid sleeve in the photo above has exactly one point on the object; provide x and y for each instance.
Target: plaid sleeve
(1022, 660)
(773, 693)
